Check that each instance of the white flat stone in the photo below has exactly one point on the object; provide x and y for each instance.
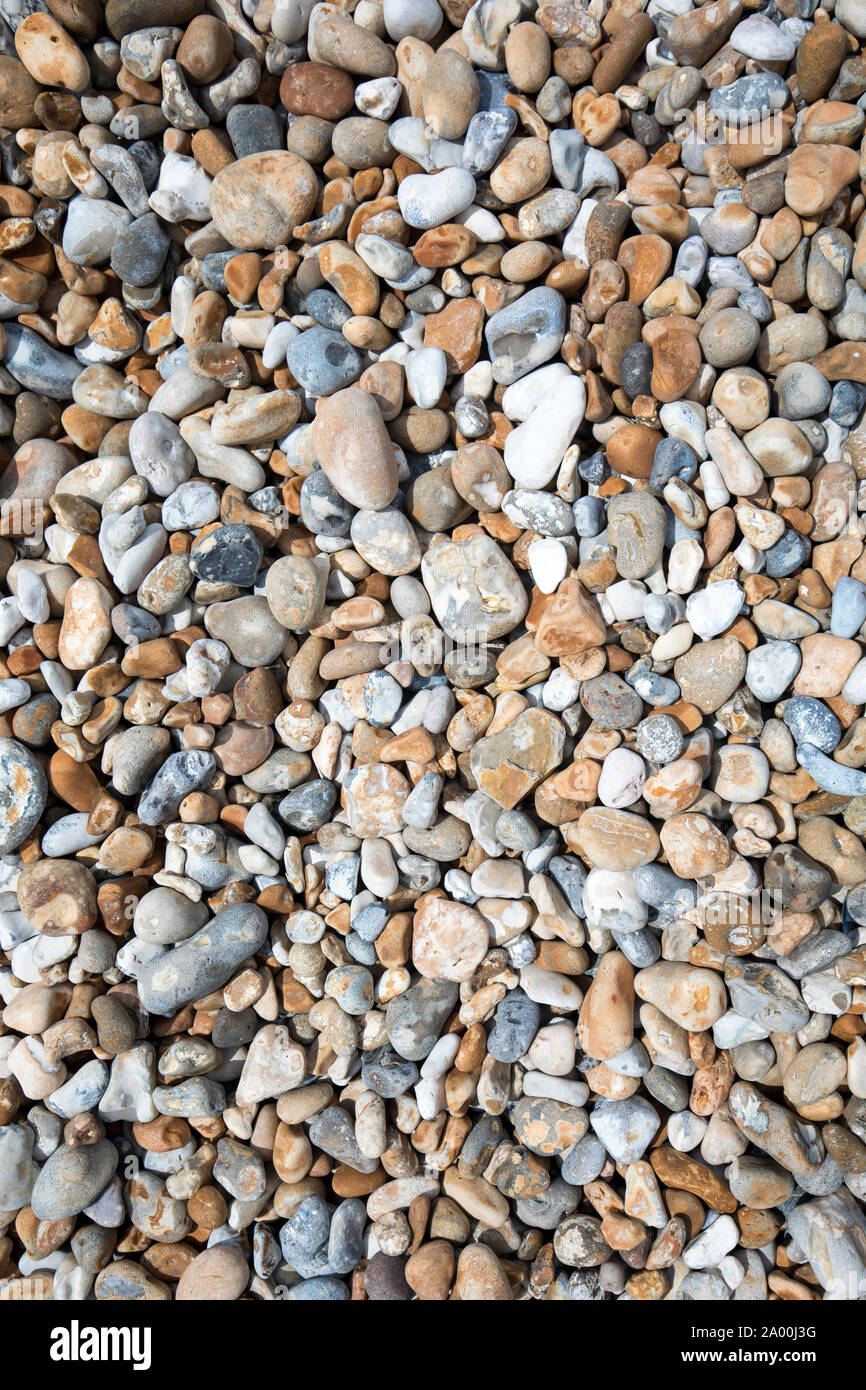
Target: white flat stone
(534, 451)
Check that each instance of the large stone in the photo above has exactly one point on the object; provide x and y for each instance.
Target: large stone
(510, 764)
(474, 588)
(205, 961)
(831, 1234)
(257, 201)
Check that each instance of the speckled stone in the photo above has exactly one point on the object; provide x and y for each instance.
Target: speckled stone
(204, 961)
(23, 793)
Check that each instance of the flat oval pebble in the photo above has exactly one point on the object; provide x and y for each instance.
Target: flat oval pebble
(23, 793)
(204, 959)
(72, 1179)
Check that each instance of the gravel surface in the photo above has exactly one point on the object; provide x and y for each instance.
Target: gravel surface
(432, 650)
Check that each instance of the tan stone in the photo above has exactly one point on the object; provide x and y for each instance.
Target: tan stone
(612, 839)
(449, 939)
(827, 663)
(605, 1024)
(694, 845)
(571, 622)
(50, 54)
(816, 175)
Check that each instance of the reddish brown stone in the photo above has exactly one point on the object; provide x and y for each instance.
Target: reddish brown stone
(457, 330)
(317, 89)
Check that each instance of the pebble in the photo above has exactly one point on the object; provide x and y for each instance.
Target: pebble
(23, 793)
(71, 1179)
(848, 607)
(625, 1127)
(233, 935)
(523, 336)
(354, 450)
(322, 361)
(257, 201)
(220, 1273)
(771, 668)
(428, 200)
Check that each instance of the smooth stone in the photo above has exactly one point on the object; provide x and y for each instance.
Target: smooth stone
(429, 200)
(23, 793)
(771, 668)
(462, 579)
(36, 365)
(322, 361)
(525, 334)
(259, 200)
(625, 1127)
(91, 228)
(204, 961)
(72, 1179)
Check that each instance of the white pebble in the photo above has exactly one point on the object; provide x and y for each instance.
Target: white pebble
(438, 1061)
(560, 691)
(378, 97)
(421, 19)
(534, 451)
(686, 1130)
(13, 692)
(32, 597)
(712, 1244)
(378, 870)
(548, 562)
(426, 370)
(11, 619)
(623, 774)
(712, 610)
(428, 200)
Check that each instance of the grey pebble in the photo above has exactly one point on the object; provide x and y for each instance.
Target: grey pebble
(205, 961)
(811, 722)
(515, 1024)
(322, 361)
(625, 1127)
(179, 775)
(36, 365)
(526, 334)
(414, 1020)
(333, 1131)
(387, 1073)
(138, 253)
(72, 1179)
